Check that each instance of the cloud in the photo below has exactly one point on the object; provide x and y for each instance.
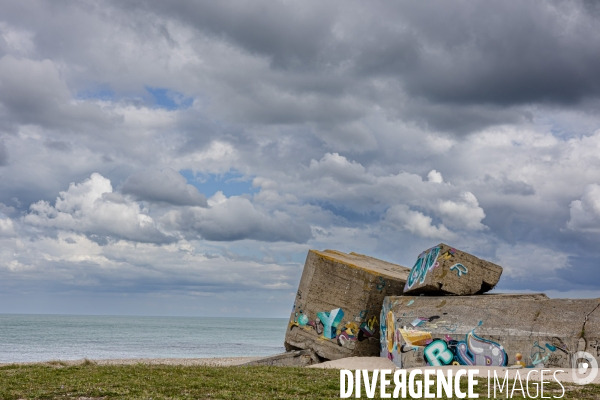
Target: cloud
(435, 177)
(360, 127)
(402, 217)
(236, 218)
(3, 154)
(338, 168)
(92, 208)
(463, 213)
(7, 227)
(166, 185)
(585, 213)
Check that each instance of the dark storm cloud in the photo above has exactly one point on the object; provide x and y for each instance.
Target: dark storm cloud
(456, 69)
(583, 270)
(509, 52)
(3, 154)
(291, 35)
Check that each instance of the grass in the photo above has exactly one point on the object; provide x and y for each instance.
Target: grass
(91, 381)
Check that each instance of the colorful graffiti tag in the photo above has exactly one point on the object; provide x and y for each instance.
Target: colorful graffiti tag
(460, 269)
(426, 262)
(330, 321)
(474, 350)
(329, 325)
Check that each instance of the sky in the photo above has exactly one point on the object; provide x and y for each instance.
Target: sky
(181, 158)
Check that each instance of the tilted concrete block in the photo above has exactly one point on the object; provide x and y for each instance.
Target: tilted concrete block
(300, 358)
(444, 270)
(488, 330)
(338, 303)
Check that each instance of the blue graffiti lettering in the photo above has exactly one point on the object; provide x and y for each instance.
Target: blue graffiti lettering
(460, 269)
(330, 321)
(438, 354)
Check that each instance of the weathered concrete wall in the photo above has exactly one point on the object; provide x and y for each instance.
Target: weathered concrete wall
(488, 330)
(338, 303)
(445, 270)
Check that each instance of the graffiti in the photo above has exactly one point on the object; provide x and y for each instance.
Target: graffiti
(406, 348)
(561, 346)
(474, 350)
(317, 325)
(426, 262)
(460, 269)
(543, 355)
(328, 325)
(424, 321)
(330, 321)
(478, 351)
(381, 285)
(302, 320)
(344, 338)
(349, 333)
(416, 338)
(449, 327)
(438, 354)
(368, 328)
(391, 329)
(449, 254)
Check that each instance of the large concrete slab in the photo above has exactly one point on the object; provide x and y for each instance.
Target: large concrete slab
(338, 303)
(299, 358)
(445, 270)
(488, 330)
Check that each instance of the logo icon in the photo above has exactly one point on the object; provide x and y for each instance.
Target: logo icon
(585, 368)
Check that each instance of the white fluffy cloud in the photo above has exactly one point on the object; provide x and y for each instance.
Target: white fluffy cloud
(435, 177)
(415, 222)
(91, 207)
(585, 213)
(463, 213)
(7, 227)
(338, 168)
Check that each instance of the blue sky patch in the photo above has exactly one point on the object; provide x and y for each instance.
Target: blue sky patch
(100, 93)
(230, 183)
(168, 99)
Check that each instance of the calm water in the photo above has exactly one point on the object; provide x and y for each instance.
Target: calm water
(71, 337)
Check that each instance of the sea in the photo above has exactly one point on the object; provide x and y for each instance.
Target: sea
(30, 338)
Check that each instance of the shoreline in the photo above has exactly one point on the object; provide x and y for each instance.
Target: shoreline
(211, 362)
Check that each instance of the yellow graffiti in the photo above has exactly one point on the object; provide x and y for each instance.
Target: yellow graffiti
(351, 328)
(371, 323)
(415, 338)
(390, 330)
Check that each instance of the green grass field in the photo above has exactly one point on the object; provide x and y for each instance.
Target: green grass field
(90, 381)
